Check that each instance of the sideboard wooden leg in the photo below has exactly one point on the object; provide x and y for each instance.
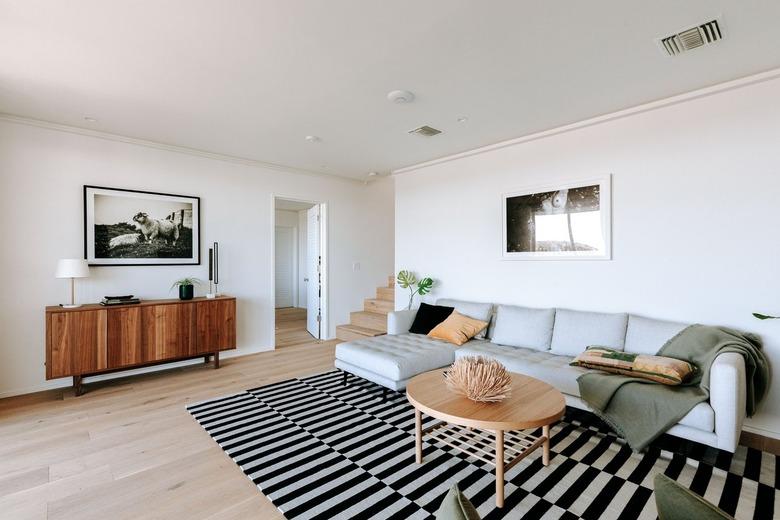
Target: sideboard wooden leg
(78, 388)
(207, 358)
(216, 359)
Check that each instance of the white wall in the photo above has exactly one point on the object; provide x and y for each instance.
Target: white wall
(696, 212)
(42, 172)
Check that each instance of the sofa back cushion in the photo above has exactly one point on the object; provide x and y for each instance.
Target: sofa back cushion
(574, 331)
(647, 336)
(478, 311)
(523, 327)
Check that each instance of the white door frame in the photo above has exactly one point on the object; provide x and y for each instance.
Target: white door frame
(324, 250)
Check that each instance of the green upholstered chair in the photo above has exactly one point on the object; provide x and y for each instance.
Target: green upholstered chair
(456, 506)
(676, 502)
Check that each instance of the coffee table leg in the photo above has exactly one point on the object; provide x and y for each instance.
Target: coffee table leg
(499, 468)
(418, 435)
(546, 445)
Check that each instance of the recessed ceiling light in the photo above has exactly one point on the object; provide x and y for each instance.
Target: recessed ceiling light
(313, 139)
(463, 119)
(90, 119)
(400, 96)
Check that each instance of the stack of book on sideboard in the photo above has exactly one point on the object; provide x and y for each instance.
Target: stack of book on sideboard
(119, 300)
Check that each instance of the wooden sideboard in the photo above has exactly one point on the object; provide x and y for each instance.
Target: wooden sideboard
(93, 339)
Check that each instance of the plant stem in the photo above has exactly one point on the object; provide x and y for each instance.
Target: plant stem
(411, 298)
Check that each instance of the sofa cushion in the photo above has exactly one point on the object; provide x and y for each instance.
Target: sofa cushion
(457, 329)
(523, 327)
(428, 316)
(574, 331)
(551, 369)
(397, 357)
(647, 336)
(477, 310)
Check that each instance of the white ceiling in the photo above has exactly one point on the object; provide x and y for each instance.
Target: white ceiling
(252, 78)
(292, 205)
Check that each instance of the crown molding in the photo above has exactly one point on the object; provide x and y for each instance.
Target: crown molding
(604, 118)
(40, 123)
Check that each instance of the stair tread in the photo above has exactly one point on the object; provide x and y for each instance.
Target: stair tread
(373, 314)
(361, 330)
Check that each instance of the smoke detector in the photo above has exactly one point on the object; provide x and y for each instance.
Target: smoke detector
(400, 96)
(425, 130)
(691, 38)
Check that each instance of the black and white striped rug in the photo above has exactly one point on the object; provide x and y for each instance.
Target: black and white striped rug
(318, 449)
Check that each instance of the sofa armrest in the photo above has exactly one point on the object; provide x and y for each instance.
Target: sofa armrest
(399, 322)
(727, 398)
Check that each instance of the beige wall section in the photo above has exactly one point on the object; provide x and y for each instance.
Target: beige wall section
(42, 172)
(695, 216)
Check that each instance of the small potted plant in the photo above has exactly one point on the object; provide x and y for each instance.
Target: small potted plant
(186, 287)
(408, 280)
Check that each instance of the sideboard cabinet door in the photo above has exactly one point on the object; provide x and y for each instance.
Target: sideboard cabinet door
(216, 325)
(77, 342)
(124, 337)
(168, 331)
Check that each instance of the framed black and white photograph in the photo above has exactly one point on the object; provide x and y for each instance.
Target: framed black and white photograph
(564, 221)
(130, 227)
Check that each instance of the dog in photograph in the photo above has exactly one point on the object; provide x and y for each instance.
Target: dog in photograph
(152, 228)
(124, 240)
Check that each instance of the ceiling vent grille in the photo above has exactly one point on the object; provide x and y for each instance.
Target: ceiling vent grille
(425, 130)
(692, 38)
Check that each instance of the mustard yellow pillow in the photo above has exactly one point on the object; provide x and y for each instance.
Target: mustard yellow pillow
(457, 328)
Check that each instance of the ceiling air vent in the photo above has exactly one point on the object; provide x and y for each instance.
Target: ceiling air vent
(692, 38)
(427, 131)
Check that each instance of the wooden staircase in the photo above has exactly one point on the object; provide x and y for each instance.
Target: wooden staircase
(372, 320)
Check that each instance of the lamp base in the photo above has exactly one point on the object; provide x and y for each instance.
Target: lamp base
(211, 296)
(70, 305)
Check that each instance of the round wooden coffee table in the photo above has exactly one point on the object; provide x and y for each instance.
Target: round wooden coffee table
(491, 432)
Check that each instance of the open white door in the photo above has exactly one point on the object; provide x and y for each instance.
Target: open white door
(313, 262)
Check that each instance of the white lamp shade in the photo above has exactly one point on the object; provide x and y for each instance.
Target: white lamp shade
(72, 268)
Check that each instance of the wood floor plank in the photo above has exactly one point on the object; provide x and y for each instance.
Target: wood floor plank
(129, 449)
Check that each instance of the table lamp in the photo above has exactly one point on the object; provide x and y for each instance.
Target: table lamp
(72, 268)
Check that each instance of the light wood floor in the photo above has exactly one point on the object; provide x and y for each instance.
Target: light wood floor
(128, 448)
(291, 327)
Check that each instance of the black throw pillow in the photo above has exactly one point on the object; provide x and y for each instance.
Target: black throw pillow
(428, 316)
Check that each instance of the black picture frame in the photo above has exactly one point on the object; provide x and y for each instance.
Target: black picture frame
(104, 247)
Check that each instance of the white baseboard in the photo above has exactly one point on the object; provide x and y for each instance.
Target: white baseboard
(67, 381)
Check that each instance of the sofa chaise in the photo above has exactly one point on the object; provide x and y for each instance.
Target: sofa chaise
(541, 343)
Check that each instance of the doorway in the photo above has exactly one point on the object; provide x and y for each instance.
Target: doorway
(299, 272)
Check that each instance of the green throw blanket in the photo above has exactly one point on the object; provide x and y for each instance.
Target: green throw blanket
(640, 410)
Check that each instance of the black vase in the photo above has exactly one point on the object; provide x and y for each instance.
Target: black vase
(186, 292)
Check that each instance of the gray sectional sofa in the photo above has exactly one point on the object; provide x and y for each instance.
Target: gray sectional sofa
(541, 343)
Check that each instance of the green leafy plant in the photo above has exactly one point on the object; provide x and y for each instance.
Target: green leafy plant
(765, 316)
(408, 280)
(186, 281)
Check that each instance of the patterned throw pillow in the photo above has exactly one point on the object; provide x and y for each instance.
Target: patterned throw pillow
(457, 328)
(666, 370)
